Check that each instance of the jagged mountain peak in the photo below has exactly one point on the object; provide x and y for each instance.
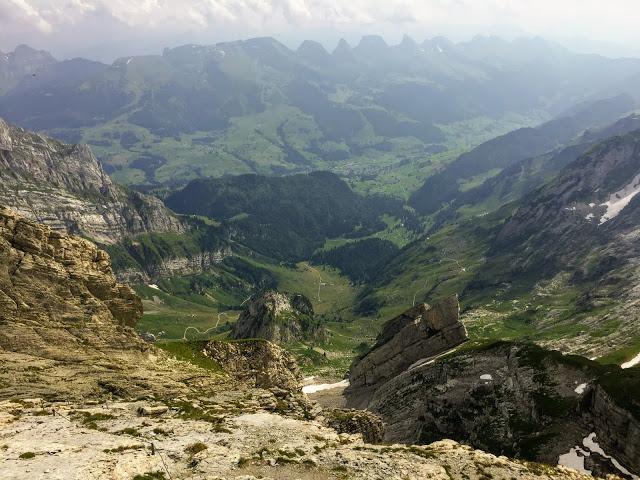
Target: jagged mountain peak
(313, 51)
(368, 42)
(343, 50)
(407, 41)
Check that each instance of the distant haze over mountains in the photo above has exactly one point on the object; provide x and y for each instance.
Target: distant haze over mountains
(329, 39)
(362, 110)
(109, 29)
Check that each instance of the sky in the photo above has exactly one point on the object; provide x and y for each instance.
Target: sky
(106, 29)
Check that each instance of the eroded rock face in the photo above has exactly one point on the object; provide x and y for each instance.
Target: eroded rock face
(351, 421)
(66, 323)
(419, 333)
(258, 362)
(507, 398)
(174, 266)
(513, 399)
(64, 186)
(617, 428)
(278, 317)
(58, 291)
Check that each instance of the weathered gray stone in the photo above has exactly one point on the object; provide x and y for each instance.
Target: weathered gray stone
(257, 362)
(419, 333)
(351, 421)
(64, 186)
(278, 317)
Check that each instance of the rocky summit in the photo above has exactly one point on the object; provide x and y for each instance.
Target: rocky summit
(278, 317)
(416, 335)
(65, 187)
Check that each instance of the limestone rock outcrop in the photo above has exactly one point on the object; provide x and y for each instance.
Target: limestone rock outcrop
(279, 318)
(350, 421)
(513, 399)
(257, 362)
(58, 292)
(418, 334)
(64, 186)
(66, 323)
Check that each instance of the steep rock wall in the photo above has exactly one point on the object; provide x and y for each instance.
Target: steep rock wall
(64, 186)
(418, 334)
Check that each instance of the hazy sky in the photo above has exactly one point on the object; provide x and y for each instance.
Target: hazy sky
(109, 28)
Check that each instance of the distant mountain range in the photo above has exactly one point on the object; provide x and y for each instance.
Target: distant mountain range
(256, 106)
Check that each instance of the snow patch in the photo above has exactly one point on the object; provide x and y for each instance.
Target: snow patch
(440, 49)
(324, 386)
(129, 61)
(486, 376)
(580, 388)
(154, 286)
(632, 363)
(620, 199)
(589, 216)
(590, 443)
(592, 205)
(574, 458)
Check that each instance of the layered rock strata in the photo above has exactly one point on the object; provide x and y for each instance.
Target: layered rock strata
(416, 335)
(64, 186)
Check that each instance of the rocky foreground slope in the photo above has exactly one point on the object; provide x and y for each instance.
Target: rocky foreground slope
(512, 399)
(65, 187)
(81, 396)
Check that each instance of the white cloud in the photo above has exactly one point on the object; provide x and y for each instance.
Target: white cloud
(54, 20)
(28, 13)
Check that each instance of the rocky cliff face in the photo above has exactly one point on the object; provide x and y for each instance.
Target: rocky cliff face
(278, 317)
(66, 323)
(418, 334)
(60, 305)
(517, 400)
(174, 266)
(258, 362)
(58, 292)
(65, 187)
(617, 427)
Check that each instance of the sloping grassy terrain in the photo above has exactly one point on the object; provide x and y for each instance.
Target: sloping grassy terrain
(202, 302)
